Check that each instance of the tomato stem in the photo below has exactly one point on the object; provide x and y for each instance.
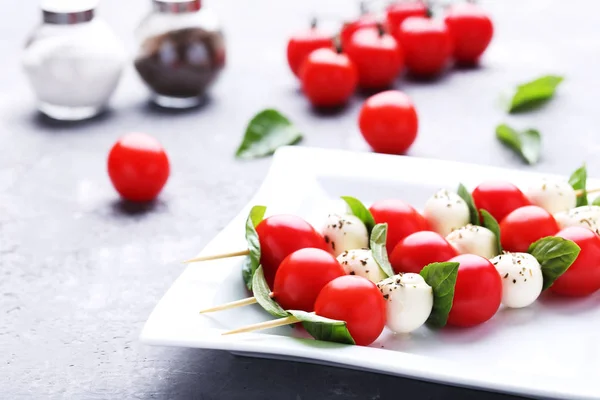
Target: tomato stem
(380, 29)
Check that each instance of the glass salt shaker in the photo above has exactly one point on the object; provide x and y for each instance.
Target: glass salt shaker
(73, 60)
(182, 52)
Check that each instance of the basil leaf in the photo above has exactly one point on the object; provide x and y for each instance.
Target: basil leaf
(359, 210)
(596, 201)
(262, 293)
(534, 93)
(378, 249)
(466, 196)
(267, 131)
(527, 143)
(555, 255)
(578, 181)
(441, 276)
(321, 328)
(253, 261)
(490, 222)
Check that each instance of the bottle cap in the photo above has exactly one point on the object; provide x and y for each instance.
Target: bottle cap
(68, 12)
(177, 6)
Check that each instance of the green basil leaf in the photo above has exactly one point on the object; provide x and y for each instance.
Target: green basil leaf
(555, 255)
(252, 262)
(441, 276)
(534, 93)
(378, 249)
(266, 132)
(359, 210)
(262, 294)
(490, 222)
(596, 201)
(527, 144)
(578, 181)
(466, 196)
(321, 328)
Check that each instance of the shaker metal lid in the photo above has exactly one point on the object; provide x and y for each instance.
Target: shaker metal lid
(177, 6)
(67, 12)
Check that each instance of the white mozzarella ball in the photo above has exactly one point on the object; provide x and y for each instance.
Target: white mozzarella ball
(409, 301)
(446, 211)
(585, 216)
(361, 262)
(344, 232)
(552, 196)
(472, 239)
(522, 278)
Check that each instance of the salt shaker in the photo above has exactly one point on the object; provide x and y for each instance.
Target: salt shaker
(73, 60)
(182, 52)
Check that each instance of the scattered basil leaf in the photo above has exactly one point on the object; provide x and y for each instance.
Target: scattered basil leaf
(466, 196)
(490, 222)
(267, 131)
(359, 210)
(534, 93)
(262, 294)
(596, 201)
(321, 328)
(578, 181)
(378, 249)
(555, 255)
(441, 276)
(252, 262)
(527, 144)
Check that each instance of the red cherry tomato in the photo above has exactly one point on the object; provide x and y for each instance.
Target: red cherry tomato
(328, 78)
(583, 276)
(396, 13)
(138, 167)
(478, 291)
(419, 249)
(402, 220)
(281, 235)
(499, 198)
(358, 302)
(302, 44)
(525, 225)
(471, 30)
(302, 275)
(388, 122)
(349, 28)
(377, 57)
(427, 45)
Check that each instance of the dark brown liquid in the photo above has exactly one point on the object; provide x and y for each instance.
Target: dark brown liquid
(181, 63)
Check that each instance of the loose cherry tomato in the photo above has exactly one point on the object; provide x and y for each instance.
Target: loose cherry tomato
(138, 167)
(478, 291)
(583, 276)
(402, 220)
(525, 225)
(281, 235)
(366, 20)
(388, 122)
(499, 198)
(358, 302)
(328, 78)
(302, 275)
(302, 44)
(471, 30)
(396, 13)
(419, 249)
(377, 57)
(427, 45)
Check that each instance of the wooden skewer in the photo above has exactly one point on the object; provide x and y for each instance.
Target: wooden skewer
(218, 256)
(264, 325)
(233, 304)
(580, 191)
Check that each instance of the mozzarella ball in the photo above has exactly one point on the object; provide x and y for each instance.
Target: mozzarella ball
(446, 211)
(472, 239)
(552, 196)
(522, 278)
(344, 232)
(409, 301)
(585, 216)
(361, 262)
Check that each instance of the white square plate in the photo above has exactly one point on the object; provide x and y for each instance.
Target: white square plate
(548, 350)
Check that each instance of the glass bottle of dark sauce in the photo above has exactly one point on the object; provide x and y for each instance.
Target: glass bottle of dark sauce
(182, 52)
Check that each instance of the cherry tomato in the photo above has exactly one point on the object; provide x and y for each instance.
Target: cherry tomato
(427, 45)
(349, 28)
(358, 302)
(377, 57)
(499, 198)
(525, 225)
(471, 30)
(583, 276)
(396, 13)
(478, 291)
(388, 122)
(328, 78)
(402, 220)
(138, 167)
(419, 249)
(302, 44)
(281, 235)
